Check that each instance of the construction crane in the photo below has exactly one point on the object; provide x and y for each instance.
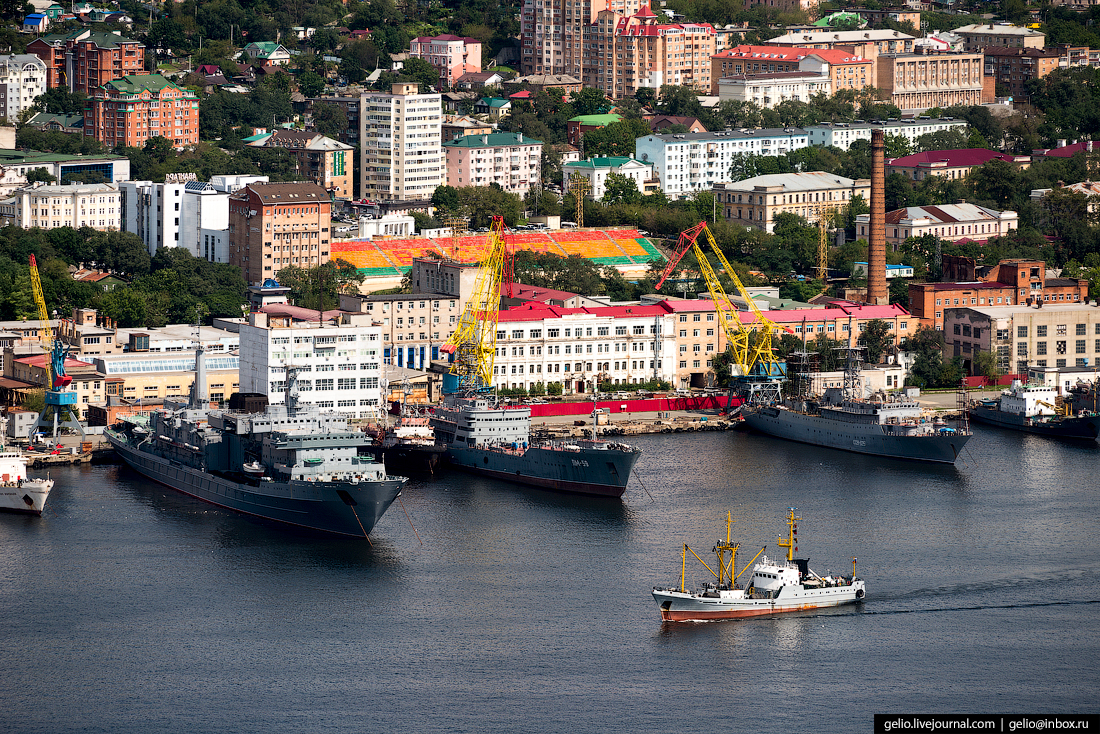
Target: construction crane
(473, 345)
(823, 217)
(579, 186)
(60, 404)
(759, 371)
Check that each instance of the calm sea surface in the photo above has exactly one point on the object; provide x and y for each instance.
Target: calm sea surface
(130, 608)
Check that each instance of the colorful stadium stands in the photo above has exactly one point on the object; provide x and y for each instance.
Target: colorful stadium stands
(394, 257)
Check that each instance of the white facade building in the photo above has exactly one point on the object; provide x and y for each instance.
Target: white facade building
(22, 79)
(685, 163)
(68, 205)
(596, 170)
(389, 225)
(401, 138)
(843, 134)
(339, 360)
(768, 90)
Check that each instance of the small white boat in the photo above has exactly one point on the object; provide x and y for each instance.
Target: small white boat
(254, 468)
(17, 492)
(775, 586)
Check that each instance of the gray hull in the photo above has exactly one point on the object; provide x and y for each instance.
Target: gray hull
(856, 437)
(343, 508)
(1085, 427)
(600, 472)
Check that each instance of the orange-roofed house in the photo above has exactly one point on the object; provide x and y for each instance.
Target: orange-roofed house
(746, 59)
(846, 69)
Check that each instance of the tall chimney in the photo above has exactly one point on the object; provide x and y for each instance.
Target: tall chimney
(877, 293)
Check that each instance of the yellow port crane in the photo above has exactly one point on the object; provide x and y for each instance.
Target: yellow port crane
(752, 347)
(45, 333)
(59, 403)
(473, 345)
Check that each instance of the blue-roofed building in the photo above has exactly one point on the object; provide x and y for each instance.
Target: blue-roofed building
(36, 23)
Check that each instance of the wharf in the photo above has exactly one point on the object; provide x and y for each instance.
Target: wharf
(635, 424)
(88, 452)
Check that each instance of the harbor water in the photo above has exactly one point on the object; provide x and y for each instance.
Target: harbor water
(130, 608)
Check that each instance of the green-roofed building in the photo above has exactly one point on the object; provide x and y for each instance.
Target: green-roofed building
(596, 170)
(579, 125)
(511, 160)
(131, 110)
(66, 168)
(841, 18)
(494, 107)
(267, 52)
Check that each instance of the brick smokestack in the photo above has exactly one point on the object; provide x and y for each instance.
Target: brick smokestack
(877, 292)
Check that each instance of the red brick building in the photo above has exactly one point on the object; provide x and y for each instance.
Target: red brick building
(1010, 282)
(85, 60)
(130, 110)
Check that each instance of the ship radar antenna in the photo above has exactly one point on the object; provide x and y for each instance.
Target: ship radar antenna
(791, 541)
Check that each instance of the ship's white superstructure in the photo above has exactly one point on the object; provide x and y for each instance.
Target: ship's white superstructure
(18, 493)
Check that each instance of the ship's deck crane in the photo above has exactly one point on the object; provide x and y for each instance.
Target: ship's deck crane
(473, 345)
(759, 372)
(60, 404)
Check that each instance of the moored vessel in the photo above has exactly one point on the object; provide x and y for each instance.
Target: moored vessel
(295, 465)
(18, 492)
(774, 587)
(1034, 409)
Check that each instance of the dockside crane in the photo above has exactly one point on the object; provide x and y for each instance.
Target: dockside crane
(473, 345)
(759, 373)
(60, 404)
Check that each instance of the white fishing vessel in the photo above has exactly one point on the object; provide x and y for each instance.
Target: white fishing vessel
(774, 587)
(18, 493)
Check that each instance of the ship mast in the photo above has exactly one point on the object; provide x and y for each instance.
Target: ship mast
(791, 542)
(721, 548)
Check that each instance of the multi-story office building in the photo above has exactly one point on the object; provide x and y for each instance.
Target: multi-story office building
(130, 110)
(919, 81)
(401, 143)
(1023, 337)
(748, 59)
(322, 160)
(983, 35)
(85, 60)
(65, 168)
(68, 205)
(338, 358)
(951, 222)
(452, 55)
(414, 326)
(756, 201)
(510, 160)
(771, 89)
(623, 53)
(843, 134)
(22, 79)
(1015, 67)
(688, 162)
(273, 225)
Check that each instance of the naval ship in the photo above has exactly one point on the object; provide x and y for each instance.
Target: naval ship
(484, 437)
(892, 426)
(1033, 409)
(292, 464)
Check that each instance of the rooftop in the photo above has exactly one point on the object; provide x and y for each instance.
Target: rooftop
(764, 53)
(761, 132)
(605, 119)
(964, 157)
(283, 193)
(809, 181)
(842, 37)
(964, 212)
(997, 29)
(608, 162)
(491, 140)
(838, 56)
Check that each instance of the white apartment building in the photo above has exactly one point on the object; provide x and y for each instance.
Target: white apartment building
(768, 90)
(513, 161)
(685, 163)
(175, 213)
(401, 138)
(581, 347)
(68, 205)
(843, 134)
(22, 79)
(339, 359)
(596, 170)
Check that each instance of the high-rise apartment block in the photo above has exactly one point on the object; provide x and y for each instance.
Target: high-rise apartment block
(275, 225)
(22, 79)
(130, 110)
(85, 60)
(401, 140)
(618, 46)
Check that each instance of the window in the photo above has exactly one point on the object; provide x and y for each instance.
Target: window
(552, 333)
(1040, 331)
(1021, 347)
(639, 331)
(1040, 347)
(1021, 332)
(1080, 346)
(603, 331)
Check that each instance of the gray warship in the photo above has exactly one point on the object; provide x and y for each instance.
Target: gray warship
(290, 464)
(892, 426)
(486, 438)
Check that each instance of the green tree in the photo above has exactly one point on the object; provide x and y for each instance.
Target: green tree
(616, 139)
(445, 198)
(40, 174)
(310, 84)
(330, 119)
(60, 101)
(423, 72)
(876, 339)
(620, 189)
(589, 101)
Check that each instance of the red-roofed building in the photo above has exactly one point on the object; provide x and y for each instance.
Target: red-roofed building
(452, 55)
(1064, 151)
(846, 69)
(950, 163)
(748, 59)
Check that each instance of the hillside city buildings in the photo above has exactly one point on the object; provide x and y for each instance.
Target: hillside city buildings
(452, 55)
(22, 78)
(401, 141)
(322, 160)
(756, 201)
(130, 110)
(510, 160)
(273, 225)
(86, 59)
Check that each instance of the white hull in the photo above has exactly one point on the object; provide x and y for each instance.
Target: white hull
(679, 606)
(30, 498)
